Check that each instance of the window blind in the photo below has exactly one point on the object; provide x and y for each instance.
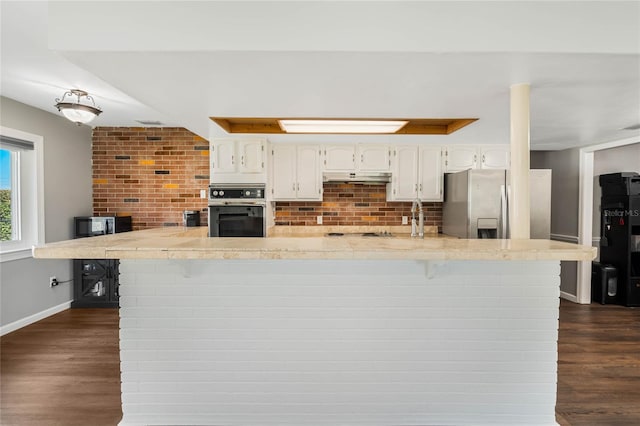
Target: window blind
(13, 144)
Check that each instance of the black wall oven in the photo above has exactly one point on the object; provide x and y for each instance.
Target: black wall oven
(237, 210)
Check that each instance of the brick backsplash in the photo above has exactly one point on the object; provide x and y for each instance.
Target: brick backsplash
(154, 174)
(353, 204)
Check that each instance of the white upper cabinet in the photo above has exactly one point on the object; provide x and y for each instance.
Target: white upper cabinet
(353, 158)
(463, 157)
(237, 160)
(339, 158)
(495, 157)
(404, 179)
(283, 172)
(251, 156)
(417, 173)
(295, 173)
(309, 185)
(431, 176)
(373, 158)
(223, 156)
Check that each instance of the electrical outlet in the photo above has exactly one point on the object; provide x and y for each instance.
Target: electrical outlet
(405, 220)
(319, 220)
(53, 281)
(203, 193)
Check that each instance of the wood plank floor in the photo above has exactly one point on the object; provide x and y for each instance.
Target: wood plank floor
(598, 365)
(64, 370)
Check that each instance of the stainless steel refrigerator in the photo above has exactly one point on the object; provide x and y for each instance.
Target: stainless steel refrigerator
(476, 204)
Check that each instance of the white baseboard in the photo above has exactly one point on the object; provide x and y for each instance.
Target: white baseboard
(566, 238)
(568, 296)
(13, 326)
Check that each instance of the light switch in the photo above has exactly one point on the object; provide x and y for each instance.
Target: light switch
(203, 193)
(319, 220)
(405, 220)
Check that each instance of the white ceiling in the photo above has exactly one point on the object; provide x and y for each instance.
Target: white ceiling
(182, 62)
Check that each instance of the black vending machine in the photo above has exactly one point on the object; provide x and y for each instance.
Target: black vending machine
(96, 281)
(620, 233)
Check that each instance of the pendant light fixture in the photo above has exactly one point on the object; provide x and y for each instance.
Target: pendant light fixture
(80, 112)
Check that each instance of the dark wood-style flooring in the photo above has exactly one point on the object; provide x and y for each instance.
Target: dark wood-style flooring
(598, 365)
(64, 370)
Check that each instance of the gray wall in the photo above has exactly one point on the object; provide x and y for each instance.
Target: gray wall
(565, 191)
(24, 288)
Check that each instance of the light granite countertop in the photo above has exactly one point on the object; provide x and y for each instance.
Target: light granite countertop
(193, 243)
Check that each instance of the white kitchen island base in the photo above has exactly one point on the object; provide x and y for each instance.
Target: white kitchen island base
(338, 342)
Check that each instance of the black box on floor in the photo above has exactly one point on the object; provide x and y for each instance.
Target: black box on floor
(604, 283)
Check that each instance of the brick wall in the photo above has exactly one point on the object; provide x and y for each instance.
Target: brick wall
(353, 204)
(154, 174)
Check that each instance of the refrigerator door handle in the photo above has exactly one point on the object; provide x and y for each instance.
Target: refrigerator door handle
(503, 210)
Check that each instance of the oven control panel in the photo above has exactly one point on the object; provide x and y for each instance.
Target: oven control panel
(226, 192)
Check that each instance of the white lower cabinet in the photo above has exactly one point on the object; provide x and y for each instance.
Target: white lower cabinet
(296, 173)
(417, 173)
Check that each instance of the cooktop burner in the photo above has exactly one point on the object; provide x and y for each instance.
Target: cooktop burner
(359, 234)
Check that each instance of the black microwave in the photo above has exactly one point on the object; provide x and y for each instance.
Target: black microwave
(91, 226)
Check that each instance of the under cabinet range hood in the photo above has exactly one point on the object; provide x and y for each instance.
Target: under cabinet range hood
(357, 177)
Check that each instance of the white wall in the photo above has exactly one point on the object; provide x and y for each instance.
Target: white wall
(338, 342)
(621, 159)
(565, 186)
(24, 287)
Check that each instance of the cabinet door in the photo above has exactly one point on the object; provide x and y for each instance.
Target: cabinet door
(430, 181)
(251, 156)
(309, 179)
(373, 158)
(495, 157)
(339, 157)
(283, 163)
(405, 175)
(223, 156)
(461, 158)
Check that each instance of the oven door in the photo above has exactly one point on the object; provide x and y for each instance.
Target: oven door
(237, 221)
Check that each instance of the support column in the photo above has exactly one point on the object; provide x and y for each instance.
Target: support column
(519, 201)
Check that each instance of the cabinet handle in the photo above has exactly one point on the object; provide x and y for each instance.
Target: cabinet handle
(420, 187)
(361, 158)
(475, 158)
(416, 187)
(353, 158)
(294, 186)
(233, 160)
(482, 158)
(298, 186)
(242, 160)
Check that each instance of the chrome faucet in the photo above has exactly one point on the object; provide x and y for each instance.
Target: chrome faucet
(417, 206)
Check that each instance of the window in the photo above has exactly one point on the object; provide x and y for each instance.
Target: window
(21, 195)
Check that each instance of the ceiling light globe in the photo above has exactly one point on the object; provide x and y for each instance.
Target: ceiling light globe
(78, 116)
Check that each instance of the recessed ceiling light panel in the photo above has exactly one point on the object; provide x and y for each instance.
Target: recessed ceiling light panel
(341, 126)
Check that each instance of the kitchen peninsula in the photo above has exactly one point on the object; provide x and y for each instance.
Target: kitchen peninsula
(317, 330)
